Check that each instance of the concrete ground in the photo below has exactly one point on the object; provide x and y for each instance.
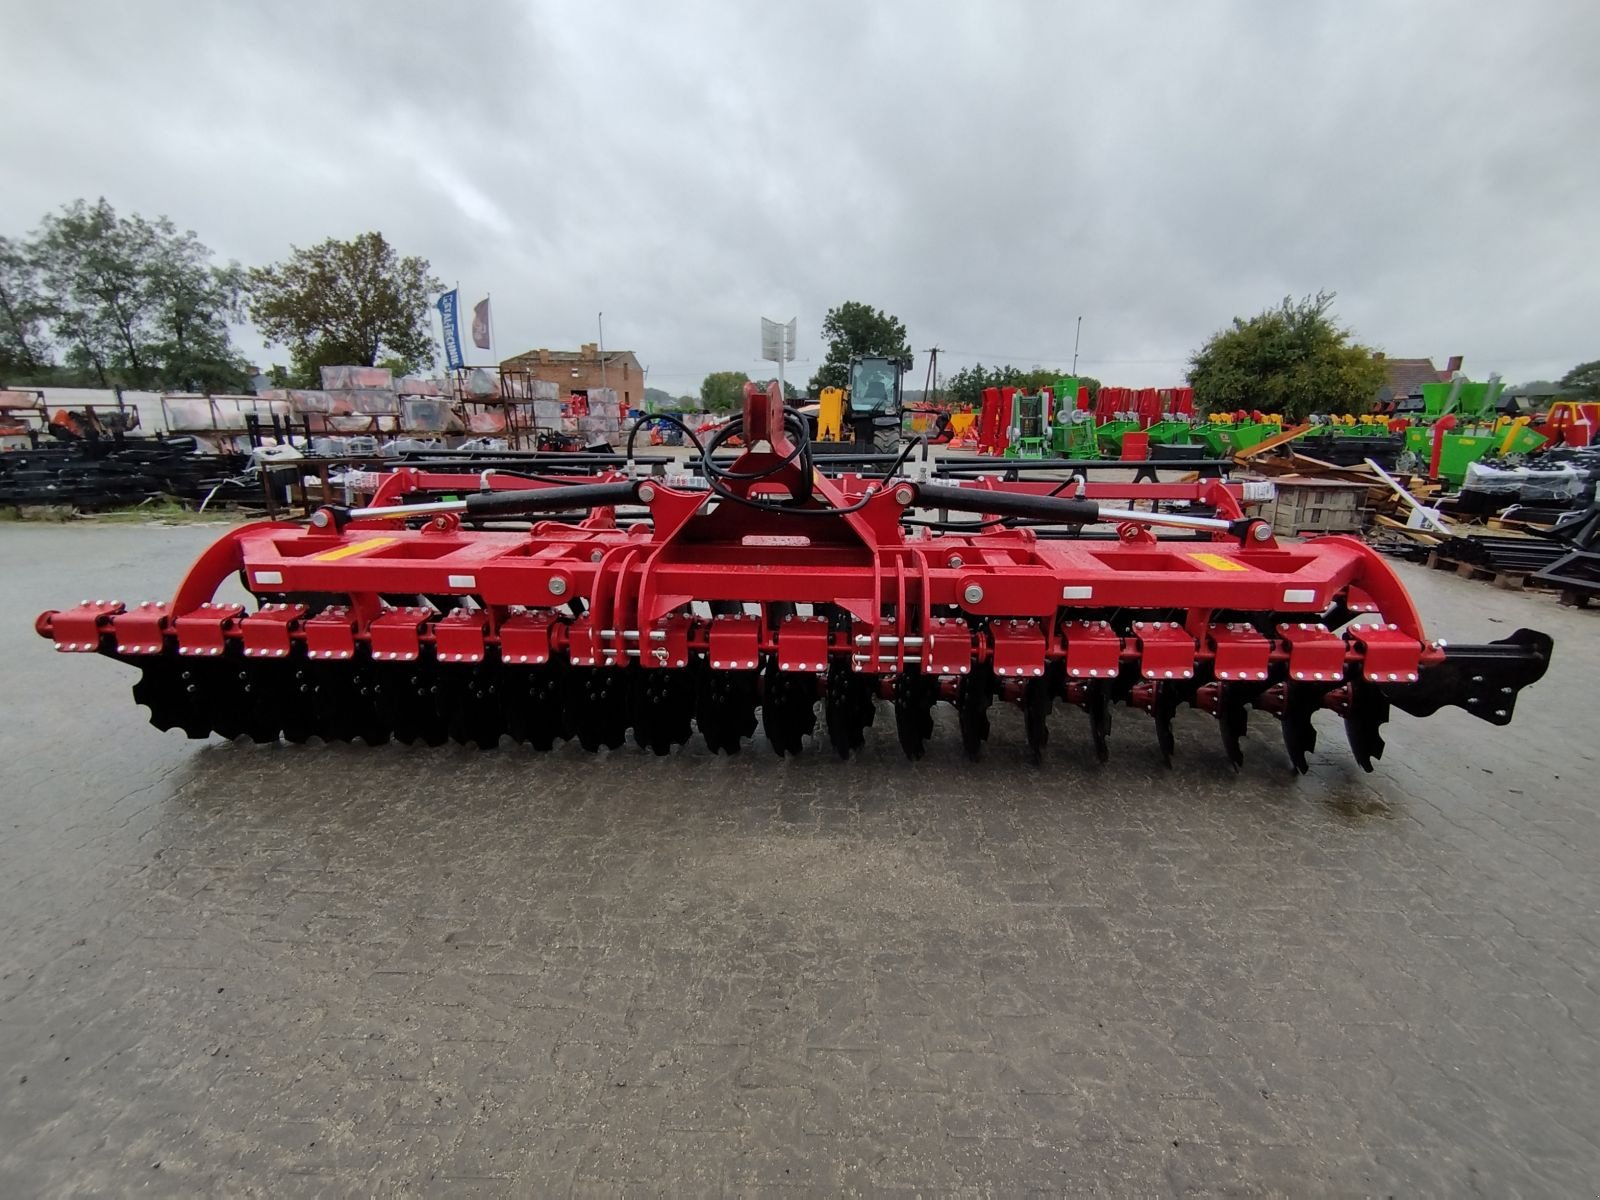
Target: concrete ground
(231, 969)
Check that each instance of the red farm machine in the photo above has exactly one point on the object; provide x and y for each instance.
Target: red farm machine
(453, 605)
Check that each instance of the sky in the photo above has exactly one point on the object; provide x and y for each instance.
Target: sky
(987, 171)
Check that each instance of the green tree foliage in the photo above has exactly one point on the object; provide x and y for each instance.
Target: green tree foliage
(1582, 382)
(136, 302)
(24, 347)
(856, 328)
(353, 302)
(1293, 359)
(723, 391)
(967, 385)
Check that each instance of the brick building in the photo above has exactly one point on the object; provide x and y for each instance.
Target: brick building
(582, 369)
(1404, 377)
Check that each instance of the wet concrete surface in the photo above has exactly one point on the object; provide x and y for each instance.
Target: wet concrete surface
(242, 969)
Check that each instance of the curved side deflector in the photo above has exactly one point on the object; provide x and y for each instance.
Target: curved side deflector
(1482, 679)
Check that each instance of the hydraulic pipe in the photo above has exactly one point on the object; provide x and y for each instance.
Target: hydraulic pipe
(548, 499)
(1059, 508)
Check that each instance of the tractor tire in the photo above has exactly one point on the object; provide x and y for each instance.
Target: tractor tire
(886, 441)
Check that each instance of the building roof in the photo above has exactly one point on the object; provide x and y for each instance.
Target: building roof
(569, 356)
(1405, 376)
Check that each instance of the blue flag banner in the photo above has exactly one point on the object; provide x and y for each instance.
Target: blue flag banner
(452, 330)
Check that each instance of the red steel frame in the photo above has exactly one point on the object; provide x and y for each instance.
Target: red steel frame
(639, 576)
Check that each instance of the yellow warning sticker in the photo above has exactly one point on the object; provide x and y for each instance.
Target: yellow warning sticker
(1218, 563)
(360, 547)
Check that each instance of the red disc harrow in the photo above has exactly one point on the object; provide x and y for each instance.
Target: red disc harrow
(467, 607)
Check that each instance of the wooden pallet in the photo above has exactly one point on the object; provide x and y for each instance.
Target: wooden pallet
(1515, 581)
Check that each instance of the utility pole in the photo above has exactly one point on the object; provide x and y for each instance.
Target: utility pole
(931, 384)
(1075, 339)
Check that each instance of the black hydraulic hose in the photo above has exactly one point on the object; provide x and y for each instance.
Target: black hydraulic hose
(1006, 504)
(553, 499)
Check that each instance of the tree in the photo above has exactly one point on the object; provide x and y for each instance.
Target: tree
(1582, 382)
(723, 391)
(856, 328)
(1293, 359)
(137, 302)
(346, 303)
(23, 347)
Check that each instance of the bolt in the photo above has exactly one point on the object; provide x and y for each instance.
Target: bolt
(647, 492)
(954, 561)
(1261, 531)
(973, 594)
(558, 586)
(903, 496)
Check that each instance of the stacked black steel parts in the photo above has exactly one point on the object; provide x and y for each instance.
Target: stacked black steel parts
(93, 476)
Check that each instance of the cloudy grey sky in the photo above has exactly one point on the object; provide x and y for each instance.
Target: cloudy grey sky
(987, 171)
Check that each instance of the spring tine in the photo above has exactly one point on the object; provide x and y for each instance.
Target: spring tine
(1363, 721)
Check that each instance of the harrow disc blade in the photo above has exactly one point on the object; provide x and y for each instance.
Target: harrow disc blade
(849, 706)
(194, 688)
(156, 689)
(1363, 722)
(788, 708)
(599, 698)
(662, 701)
(972, 704)
(1166, 707)
(532, 703)
(335, 701)
(227, 694)
(296, 695)
(914, 698)
(1299, 735)
(369, 718)
(1233, 721)
(1037, 700)
(474, 708)
(409, 694)
(1097, 703)
(725, 708)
